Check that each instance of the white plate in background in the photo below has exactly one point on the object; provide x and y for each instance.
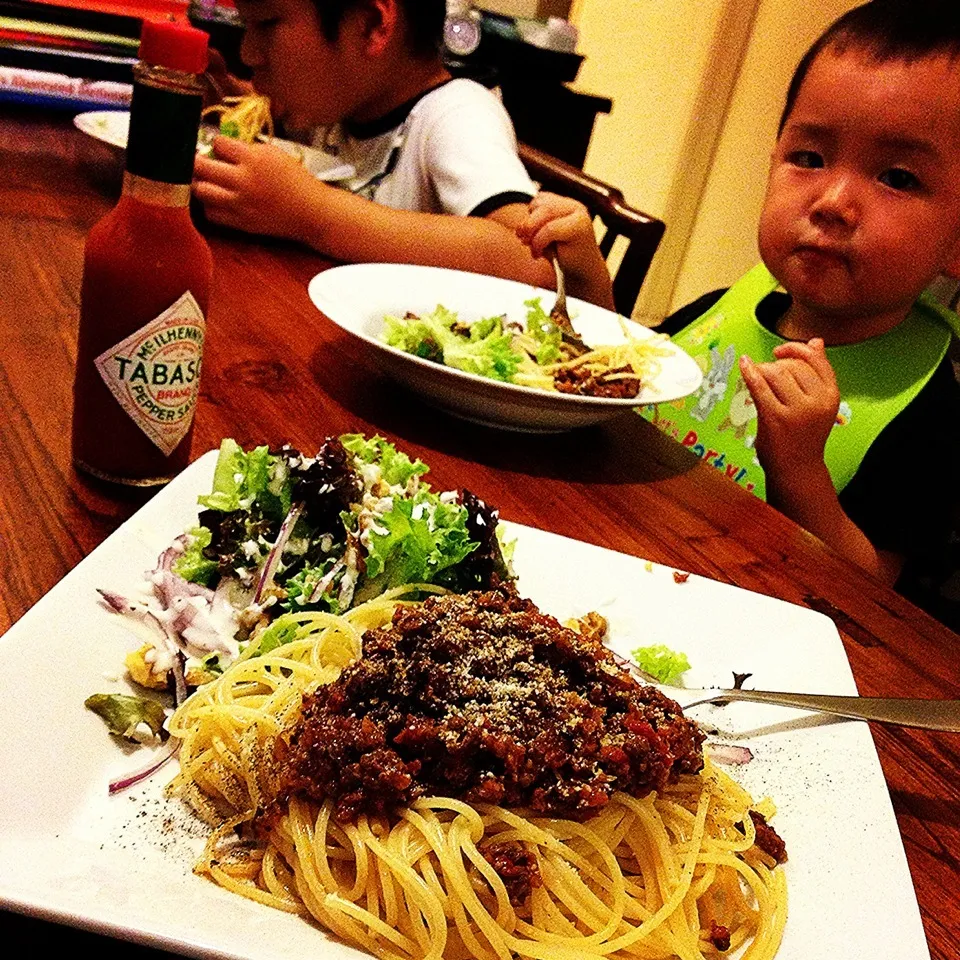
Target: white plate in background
(113, 127)
(121, 865)
(357, 297)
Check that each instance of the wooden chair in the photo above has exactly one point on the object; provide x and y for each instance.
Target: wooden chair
(605, 202)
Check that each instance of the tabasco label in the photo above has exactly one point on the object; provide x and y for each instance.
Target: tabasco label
(155, 372)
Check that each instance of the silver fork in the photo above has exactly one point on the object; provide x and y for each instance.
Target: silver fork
(901, 711)
(559, 313)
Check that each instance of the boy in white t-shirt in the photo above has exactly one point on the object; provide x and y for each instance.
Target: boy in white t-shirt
(436, 179)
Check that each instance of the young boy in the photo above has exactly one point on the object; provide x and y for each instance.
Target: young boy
(835, 399)
(424, 146)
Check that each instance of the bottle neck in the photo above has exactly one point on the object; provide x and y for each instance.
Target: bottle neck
(164, 119)
(155, 192)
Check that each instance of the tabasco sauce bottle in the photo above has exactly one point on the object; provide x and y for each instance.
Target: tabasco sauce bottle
(146, 281)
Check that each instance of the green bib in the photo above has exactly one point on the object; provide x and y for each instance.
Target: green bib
(877, 379)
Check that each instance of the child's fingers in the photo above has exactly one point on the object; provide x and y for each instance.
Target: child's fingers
(542, 213)
(549, 206)
(764, 399)
(546, 210)
(554, 231)
(821, 362)
(208, 170)
(538, 217)
(791, 381)
(232, 150)
(793, 349)
(782, 381)
(812, 352)
(800, 350)
(811, 356)
(213, 196)
(799, 372)
(561, 206)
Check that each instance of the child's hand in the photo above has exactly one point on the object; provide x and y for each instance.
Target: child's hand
(797, 399)
(255, 187)
(552, 219)
(220, 82)
(567, 226)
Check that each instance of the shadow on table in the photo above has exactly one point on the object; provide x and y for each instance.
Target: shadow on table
(71, 941)
(928, 809)
(625, 450)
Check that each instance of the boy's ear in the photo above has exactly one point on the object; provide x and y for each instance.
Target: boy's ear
(380, 23)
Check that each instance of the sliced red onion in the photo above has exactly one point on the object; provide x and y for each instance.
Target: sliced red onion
(170, 641)
(117, 602)
(273, 558)
(168, 586)
(634, 668)
(353, 560)
(730, 754)
(171, 750)
(321, 588)
(139, 613)
(183, 616)
(175, 550)
(347, 586)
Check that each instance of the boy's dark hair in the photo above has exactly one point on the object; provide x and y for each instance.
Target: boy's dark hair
(886, 30)
(424, 21)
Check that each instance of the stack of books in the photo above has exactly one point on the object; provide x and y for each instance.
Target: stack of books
(74, 54)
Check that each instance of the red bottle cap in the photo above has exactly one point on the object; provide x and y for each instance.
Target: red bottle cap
(177, 46)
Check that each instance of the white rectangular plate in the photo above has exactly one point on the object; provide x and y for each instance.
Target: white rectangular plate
(121, 865)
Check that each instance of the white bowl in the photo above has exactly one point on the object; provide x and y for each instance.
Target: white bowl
(357, 298)
(113, 127)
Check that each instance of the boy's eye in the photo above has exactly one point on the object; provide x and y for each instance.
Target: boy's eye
(808, 159)
(899, 179)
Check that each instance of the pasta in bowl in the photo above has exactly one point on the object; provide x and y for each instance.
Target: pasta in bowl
(359, 298)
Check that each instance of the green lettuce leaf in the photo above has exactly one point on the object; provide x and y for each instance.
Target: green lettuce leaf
(283, 630)
(192, 565)
(423, 537)
(544, 331)
(241, 478)
(124, 713)
(301, 585)
(484, 348)
(666, 665)
(396, 468)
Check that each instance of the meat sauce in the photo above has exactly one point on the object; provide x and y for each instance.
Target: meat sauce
(484, 698)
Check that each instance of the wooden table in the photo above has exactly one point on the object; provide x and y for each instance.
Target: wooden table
(276, 371)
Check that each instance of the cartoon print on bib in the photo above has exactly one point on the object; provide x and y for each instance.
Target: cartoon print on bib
(741, 412)
(715, 382)
(876, 379)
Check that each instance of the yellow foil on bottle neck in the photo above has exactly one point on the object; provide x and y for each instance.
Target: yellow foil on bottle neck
(156, 193)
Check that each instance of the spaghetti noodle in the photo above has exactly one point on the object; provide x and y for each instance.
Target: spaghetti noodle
(598, 372)
(676, 873)
(243, 118)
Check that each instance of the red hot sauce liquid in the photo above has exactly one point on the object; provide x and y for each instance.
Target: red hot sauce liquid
(146, 286)
(139, 260)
